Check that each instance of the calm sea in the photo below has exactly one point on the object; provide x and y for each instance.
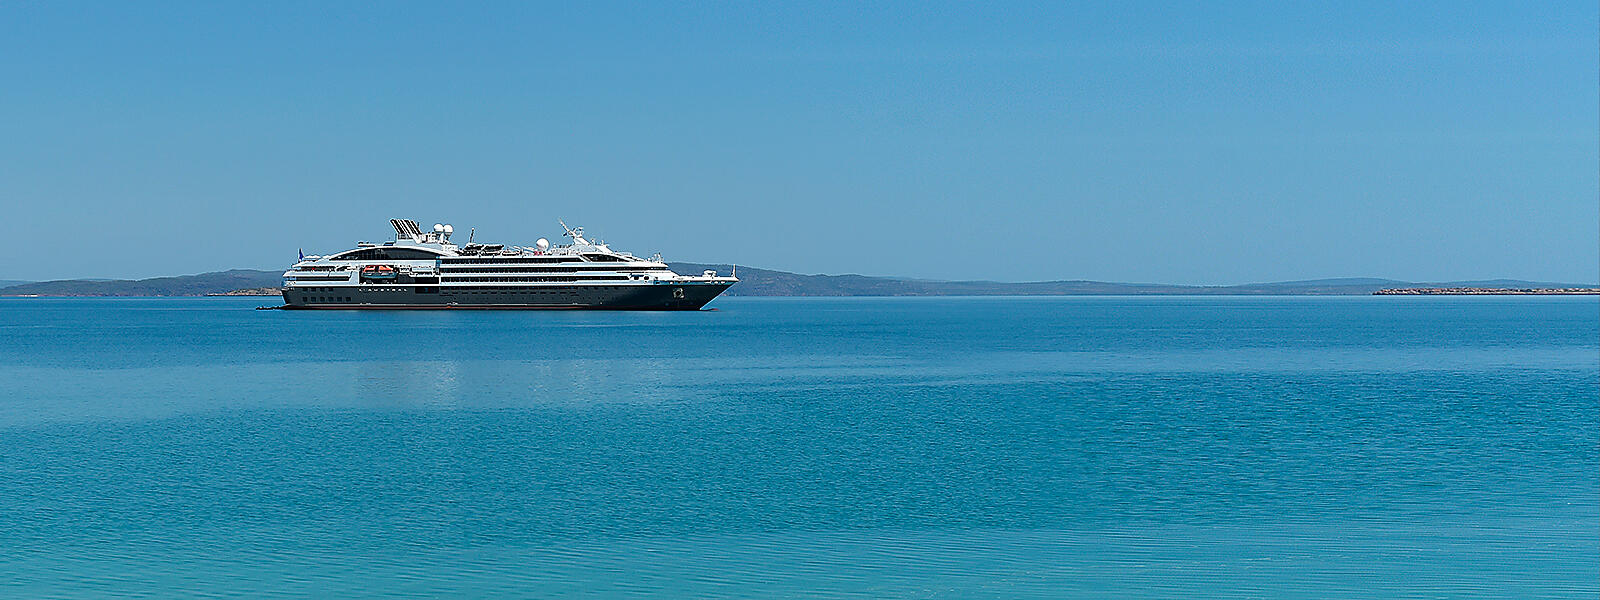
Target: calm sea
(1351, 447)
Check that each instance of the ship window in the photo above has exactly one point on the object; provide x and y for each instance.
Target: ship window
(602, 258)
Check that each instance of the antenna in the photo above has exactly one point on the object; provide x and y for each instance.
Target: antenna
(471, 232)
(575, 233)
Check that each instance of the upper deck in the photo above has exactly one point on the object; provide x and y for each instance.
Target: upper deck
(435, 257)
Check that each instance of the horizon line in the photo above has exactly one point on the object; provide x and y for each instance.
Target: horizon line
(932, 280)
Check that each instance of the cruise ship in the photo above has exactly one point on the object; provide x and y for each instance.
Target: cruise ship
(425, 269)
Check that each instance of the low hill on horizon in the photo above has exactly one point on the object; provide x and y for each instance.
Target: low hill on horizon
(766, 282)
(181, 285)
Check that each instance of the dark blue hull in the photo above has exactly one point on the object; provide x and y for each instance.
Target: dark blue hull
(656, 296)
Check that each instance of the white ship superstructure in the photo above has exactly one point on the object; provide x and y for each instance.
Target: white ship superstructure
(425, 269)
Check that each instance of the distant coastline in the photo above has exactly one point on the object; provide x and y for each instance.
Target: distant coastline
(1480, 291)
(768, 282)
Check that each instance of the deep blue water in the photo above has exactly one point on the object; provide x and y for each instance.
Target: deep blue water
(1352, 447)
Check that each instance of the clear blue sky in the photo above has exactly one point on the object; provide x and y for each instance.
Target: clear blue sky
(1181, 142)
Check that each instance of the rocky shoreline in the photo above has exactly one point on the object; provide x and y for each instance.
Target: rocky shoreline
(270, 291)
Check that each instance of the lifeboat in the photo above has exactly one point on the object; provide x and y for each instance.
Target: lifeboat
(377, 272)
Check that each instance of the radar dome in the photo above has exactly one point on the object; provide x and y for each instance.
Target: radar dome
(543, 244)
(438, 227)
(448, 229)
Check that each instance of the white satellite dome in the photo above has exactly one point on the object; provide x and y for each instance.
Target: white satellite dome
(438, 227)
(448, 230)
(543, 244)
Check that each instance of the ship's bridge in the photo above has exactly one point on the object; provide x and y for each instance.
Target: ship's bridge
(391, 253)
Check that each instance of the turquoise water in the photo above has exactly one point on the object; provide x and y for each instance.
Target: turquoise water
(1363, 447)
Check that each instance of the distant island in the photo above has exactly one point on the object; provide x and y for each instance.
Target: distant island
(767, 282)
(183, 285)
(1485, 291)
